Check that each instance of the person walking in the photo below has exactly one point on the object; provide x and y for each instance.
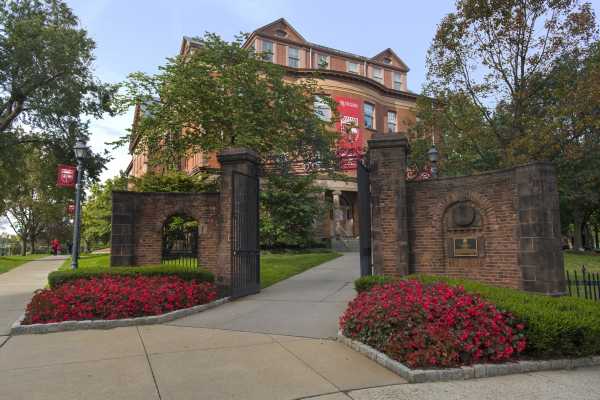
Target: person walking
(55, 247)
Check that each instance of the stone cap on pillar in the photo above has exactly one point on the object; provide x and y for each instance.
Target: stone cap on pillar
(237, 154)
(385, 140)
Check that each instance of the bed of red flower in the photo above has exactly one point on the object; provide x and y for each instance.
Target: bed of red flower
(432, 325)
(110, 297)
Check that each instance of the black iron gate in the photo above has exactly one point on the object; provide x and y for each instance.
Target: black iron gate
(180, 242)
(364, 218)
(245, 252)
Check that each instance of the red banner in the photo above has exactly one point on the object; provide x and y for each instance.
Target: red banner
(350, 145)
(66, 176)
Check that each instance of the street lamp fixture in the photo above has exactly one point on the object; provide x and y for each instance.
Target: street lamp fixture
(434, 156)
(81, 152)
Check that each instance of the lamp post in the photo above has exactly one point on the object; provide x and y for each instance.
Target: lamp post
(433, 155)
(80, 154)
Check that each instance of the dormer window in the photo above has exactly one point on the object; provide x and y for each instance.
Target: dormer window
(378, 74)
(267, 50)
(293, 57)
(387, 60)
(281, 33)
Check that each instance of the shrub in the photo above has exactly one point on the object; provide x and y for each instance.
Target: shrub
(433, 325)
(365, 283)
(114, 297)
(555, 326)
(58, 278)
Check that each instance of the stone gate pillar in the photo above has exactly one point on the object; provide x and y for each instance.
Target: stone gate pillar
(387, 164)
(232, 160)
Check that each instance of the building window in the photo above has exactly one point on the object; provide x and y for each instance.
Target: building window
(267, 50)
(387, 60)
(281, 33)
(293, 57)
(391, 121)
(352, 66)
(369, 110)
(397, 81)
(322, 61)
(322, 109)
(378, 74)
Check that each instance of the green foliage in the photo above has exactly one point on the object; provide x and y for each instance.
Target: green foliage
(555, 326)
(221, 95)
(9, 262)
(174, 181)
(57, 278)
(289, 207)
(46, 75)
(277, 267)
(365, 283)
(97, 211)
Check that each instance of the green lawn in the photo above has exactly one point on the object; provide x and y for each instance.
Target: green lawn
(277, 267)
(574, 261)
(9, 262)
(273, 267)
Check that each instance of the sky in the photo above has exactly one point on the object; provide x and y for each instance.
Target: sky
(138, 35)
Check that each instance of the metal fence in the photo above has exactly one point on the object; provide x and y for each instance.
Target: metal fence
(584, 284)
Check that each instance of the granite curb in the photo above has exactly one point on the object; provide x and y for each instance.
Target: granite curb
(467, 372)
(18, 329)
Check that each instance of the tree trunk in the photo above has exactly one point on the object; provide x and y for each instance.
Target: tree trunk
(32, 245)
(23, 247)
(577, 237)
(597, 244)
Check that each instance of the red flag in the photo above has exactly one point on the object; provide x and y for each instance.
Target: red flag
(66, 176)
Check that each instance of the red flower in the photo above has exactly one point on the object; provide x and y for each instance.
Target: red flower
(115, 297)
(432, 325)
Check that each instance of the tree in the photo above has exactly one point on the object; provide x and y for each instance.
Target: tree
(221, 95)
(483, 67)
(289, 208)
(46, 75)
(174, 181)
(97, 211)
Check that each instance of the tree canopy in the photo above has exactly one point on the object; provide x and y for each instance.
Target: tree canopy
(220, 95)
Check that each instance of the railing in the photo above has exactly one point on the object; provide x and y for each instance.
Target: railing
(584, 284)
(180, 260)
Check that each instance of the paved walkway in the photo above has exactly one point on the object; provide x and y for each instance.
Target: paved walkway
(18, 285)
(209, 358)
(308, 304)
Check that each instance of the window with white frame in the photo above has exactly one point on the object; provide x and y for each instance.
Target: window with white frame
(369, 111)
(322, 109)
(293, 57)
(323, 61)
(267, 50)
(352, 66)
(378, 74)
(391, 121)
(397, 81)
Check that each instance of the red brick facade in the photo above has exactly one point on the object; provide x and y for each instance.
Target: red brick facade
(513, 221)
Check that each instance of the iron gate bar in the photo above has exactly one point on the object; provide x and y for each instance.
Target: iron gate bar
(245, 252)
(364, 218)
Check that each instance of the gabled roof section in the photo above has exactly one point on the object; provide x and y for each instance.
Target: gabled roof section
(389, 53)
(277, 27)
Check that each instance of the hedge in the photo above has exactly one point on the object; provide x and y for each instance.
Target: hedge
(365, 283)
(57, 278)
(555, 326)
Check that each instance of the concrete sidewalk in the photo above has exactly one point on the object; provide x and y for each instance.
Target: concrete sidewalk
(194, 362)
(17, 287)
(307, 305)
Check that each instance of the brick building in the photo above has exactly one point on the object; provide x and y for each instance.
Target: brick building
(371, 92)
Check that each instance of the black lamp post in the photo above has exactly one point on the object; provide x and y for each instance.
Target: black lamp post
(434, 156)
(81, 152)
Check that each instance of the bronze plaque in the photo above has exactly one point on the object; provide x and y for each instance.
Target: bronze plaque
(465, 247)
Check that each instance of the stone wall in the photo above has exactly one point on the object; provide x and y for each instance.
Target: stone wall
(500, 227)
(138, 220)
